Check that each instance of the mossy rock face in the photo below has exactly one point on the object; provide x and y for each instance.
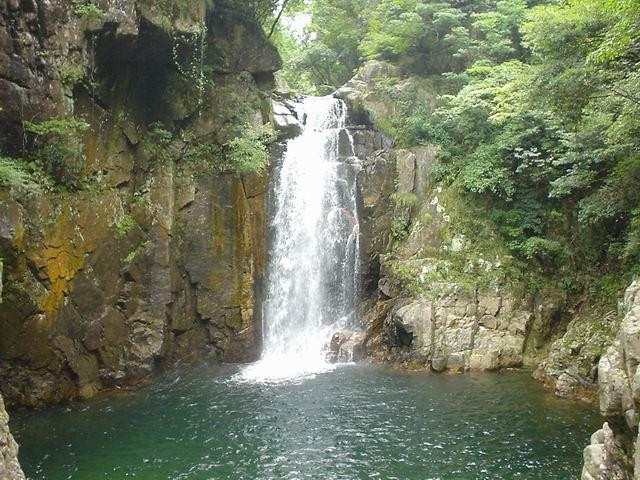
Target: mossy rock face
(225, 35)
(435, 264)
(153, 258)
(182, 16)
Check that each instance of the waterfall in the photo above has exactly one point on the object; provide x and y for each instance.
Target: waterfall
(313, 269)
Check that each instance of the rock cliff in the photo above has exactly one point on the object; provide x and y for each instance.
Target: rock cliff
(438, 297)
(144, 252)
(441, 296)
(614, 453)
(9, 466)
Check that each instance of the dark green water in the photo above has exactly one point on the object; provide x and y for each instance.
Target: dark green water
(357, 422)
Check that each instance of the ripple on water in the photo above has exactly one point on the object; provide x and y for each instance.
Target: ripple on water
(353, 422)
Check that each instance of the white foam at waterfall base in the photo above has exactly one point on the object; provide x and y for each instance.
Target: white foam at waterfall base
(313, 259)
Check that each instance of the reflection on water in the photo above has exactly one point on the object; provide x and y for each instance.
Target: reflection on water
(356, 422)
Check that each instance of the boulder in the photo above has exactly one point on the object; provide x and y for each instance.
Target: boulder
(604, 458)
(285, 120)
(345, 347)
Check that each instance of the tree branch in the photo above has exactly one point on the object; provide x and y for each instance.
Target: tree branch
(277, 19)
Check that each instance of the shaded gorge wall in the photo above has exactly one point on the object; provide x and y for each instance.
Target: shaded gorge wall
(146, 249)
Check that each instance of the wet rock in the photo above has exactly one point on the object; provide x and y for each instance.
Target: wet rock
(337, 340)
(346, 347)
(9, 465)
(353, 350)
(438, 364)
(285, 121)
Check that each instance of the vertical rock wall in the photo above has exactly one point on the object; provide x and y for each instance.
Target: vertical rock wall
(9, 466)
(427, 306)
(614, 453)
(158, 257)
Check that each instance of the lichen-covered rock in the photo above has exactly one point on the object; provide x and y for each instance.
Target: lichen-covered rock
(460, 330)
(613, 453)
(159, 256)
(571, 366)
(604, 458)
(9, 465)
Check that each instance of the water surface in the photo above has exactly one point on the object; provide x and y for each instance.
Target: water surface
(356, 422)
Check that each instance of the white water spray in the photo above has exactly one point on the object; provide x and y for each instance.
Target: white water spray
(314, 256)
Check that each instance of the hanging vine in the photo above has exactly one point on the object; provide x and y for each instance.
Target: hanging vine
(193, 67)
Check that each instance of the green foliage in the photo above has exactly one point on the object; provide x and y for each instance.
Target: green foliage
(88, 10)
(327, 54)
(261, 11)
(124, 225)
(202, 157)
(137, 251)
(70, 73)
(631, 249)
(414, 31)
(406, 199)
(298, 77)
(548, 143)
(424, 37)
(16, 174)
(56, 127)
(159, 135)
(400, 224)
(248, 152)
(57, 147)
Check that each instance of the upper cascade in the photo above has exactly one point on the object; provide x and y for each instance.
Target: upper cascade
(314, 264)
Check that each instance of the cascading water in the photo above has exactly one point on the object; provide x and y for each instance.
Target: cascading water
(314, 255)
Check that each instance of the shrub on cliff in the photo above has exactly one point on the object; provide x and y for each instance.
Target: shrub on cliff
(248, 152)
(56, 144)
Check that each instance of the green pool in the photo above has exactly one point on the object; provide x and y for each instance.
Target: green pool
(355, 422)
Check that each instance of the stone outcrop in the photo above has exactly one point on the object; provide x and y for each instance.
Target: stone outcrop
(614, 453)
(158, 257)
(571, 367)
(405, 238)
(463, 329)
(285, 119)
(9, 465)
(346, 347)
(436, 297)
